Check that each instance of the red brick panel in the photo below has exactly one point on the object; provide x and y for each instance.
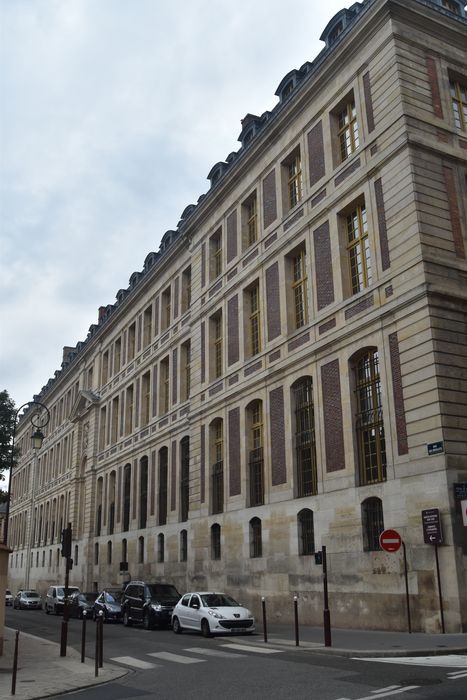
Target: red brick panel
(173, 485)
(323, 266)
(383, 231)
(434, 86)
(273, 301)
(332, 411)
(234, 452)
(269, 199)
(401, 425)
(370, 120)
(454, 212)
(232, 331)
(316, 153)
(277, 427)
(232, 236)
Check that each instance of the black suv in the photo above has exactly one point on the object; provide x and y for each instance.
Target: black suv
(149, 603)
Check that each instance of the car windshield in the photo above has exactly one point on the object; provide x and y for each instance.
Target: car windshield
(113, 596)
(218, 600)
(87, 597)
(30, 594)
(163, 591)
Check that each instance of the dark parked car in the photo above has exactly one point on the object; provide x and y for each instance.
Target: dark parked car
(28, 600)
(109, 601)
(81, 602)
(149, 603)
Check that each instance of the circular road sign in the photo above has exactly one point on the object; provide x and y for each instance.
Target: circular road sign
(390, 540)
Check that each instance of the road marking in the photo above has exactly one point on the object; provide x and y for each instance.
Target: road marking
(213, 652)
(255, 650)
(383, 690)
(457, 674)
(176, 658)
(457, 660)
(131, 661)
(380, 694)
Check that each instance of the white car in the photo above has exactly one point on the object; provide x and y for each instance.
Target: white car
(8, 597)
(211, 613)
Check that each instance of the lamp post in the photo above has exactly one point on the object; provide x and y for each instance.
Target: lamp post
(39, 419)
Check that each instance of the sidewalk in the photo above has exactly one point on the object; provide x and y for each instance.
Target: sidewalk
(43, 672)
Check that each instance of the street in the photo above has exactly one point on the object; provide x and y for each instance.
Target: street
(168, 666)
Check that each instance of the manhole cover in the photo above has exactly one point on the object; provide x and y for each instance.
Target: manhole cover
(421, 681)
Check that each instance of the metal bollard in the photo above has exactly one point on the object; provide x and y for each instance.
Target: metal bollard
(96, 651)
(15, 665)
(101, 638)
(83, 636)
(265, 626)
(295, 604)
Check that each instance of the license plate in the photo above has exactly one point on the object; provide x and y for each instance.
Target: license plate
(238, 630)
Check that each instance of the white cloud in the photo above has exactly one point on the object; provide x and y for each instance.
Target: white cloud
(113, 113)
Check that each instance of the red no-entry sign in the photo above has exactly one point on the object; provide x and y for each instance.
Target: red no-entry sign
(390, 540)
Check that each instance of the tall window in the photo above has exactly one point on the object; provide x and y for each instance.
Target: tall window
(305, 445)
(299, 286)
(294, 180)
(131, 341)
(372, 523)
(96, 553)
(217, 448)
(145, 397)
(109, 552)
(347, 130)
(358, 248)
(164, 393)
(115, 418)
(126, 496)
(129, 399)
(459, 104)
(255, 460)
(105, 367)
(369, 420)
(140, 550)
(451, 6)
(117, 355)
(111, 524)
(100, 483)
(102, 427)
(147, 326)
(163, 477)
(143, 492)
(124, 550)
(185, 383)
(250, 221)
(256, 538)
(184, 478)
(254, 319)
(215, 541)
(166, 309)
(186, 289)
(215, 250)
(160, 548)
(217, 340)
(306, 534)
(183, 545)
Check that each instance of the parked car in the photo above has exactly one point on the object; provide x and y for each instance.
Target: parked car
(55, 597)
(27, 600)
(149, 603)
(211, 613)
(81, 602)
(109, 601)
(8, 597)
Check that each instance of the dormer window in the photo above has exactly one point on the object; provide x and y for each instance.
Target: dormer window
(288, 89)
(338, 29)
(216, 172)
(451, 6)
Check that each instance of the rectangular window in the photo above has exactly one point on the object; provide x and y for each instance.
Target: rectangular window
(166, 310)
(292, 180)
(358, 249)
(115, 417)
(186, 289)
(347, 130)
(129, 399)
(305, 444)
(131, 341)
(145, 397)
(163, 481)
(250, 221)
(105, 367)
(217, 345)
(255, 462)
(451, 6)
(147, 326)
(459, 104)
(164, 386)
(215, 250)
(253, 335)
(369, 420)
(186, 371)
(299, 287)
(102, 427)
(218, 468)
(117, 355)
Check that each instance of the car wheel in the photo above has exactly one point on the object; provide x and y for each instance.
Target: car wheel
(205, 629)
(126, 619)
(176, 626)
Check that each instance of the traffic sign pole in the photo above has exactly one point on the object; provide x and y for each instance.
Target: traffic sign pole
(391, 541)
(440, 595)
(407, 598)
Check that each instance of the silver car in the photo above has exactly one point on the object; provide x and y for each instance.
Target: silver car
(211, 613)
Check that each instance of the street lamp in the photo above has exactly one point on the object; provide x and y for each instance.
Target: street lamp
(39, 419)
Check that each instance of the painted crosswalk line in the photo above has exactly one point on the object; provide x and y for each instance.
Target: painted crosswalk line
(176, 658)
(213, 652)
(454, 675)
(254, 650)
(132, 661)
(447, 660)
(385, 692)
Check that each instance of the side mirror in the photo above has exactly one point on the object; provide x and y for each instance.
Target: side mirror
(195, 606)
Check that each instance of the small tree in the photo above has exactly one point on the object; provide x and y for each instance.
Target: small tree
(7, 417)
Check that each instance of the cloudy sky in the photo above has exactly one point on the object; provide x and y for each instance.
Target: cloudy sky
(112, 113)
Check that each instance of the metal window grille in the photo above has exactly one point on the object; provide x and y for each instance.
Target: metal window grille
(372, 523)
(126, 498)
(218, 487)
(216, 541)
(306, 532)
(99, 520)
(160, 548)
(143, 494)
(163, 474)
(256, 477)
(111, 518)
(185, 479)
(369, 421)
(305, 443)
(183, 545)
(256, 540)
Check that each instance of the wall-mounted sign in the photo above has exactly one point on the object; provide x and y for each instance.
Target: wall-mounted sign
(432, 533)
(435, 448)
(460, 492)
(464, 512)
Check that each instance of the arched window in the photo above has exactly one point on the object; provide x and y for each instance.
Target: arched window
(126, 496)
(306, 534)
(160, 548)
(216, 434)
(75, 558)
(255, 452)
(141, 550)
(143, 492)
(112, 480)
(96, 553)
(372, 523)
(109, 552)
(100, 483)
(124, 550)
(163, 476)
(305, 445)
(256, 538)
(215, 541)
(184, 478)
(183, 545)
(369, 419)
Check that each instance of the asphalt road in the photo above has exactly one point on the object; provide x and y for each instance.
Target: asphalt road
(174, 667)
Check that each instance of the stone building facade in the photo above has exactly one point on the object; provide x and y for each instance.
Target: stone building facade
(289, 370)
